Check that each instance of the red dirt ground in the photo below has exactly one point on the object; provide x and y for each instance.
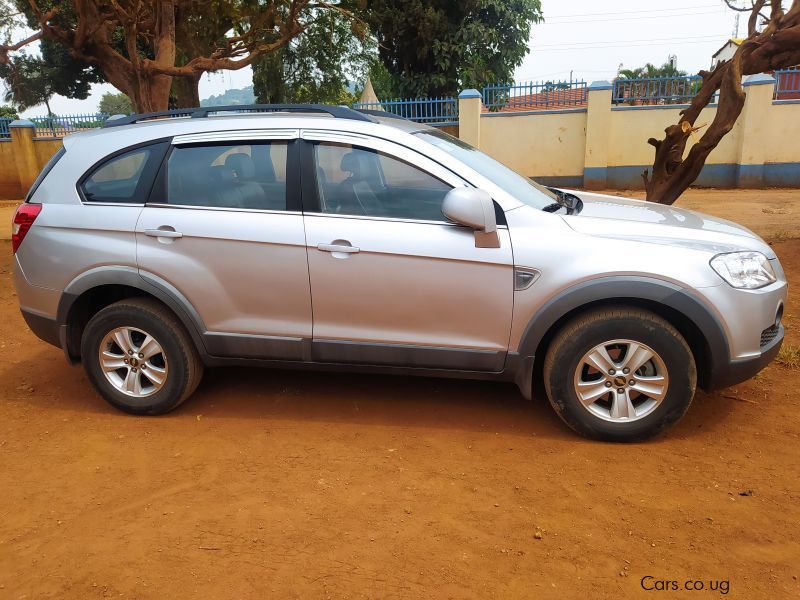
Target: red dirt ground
(290, 485)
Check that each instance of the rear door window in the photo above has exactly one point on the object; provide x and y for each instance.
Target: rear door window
(228, 175)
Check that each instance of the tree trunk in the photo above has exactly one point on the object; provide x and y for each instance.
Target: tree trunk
(776, 46)
(148, 94)
(672, 172)
(185, 91)
(149, 29)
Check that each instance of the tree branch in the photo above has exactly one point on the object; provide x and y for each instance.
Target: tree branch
(216, 63)
(738, 8)
(776, 46)
(6, 48)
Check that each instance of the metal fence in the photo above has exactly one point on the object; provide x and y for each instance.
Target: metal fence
(58, 126)
(656, 90)
(534, 95)
(496, 97)
(5, 132)
(787, 84)
(433, 111)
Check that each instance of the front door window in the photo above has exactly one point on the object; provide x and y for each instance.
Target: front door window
(364, 182)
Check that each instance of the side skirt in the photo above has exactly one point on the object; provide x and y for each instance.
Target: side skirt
(216, 361)
(339, 356)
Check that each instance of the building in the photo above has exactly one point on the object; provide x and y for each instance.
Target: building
(726, 52)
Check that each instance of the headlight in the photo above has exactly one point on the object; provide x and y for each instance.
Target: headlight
(744, 270)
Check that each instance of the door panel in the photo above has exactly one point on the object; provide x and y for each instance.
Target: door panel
(415, 294)
(244, 272)
(392, 282)
(243, 269)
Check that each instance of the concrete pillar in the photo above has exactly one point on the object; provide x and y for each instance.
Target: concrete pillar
(24, 152)
(759, 90)
(598, 129)
(469, 117)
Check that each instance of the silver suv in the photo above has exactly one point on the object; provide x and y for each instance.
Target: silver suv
(322, 237)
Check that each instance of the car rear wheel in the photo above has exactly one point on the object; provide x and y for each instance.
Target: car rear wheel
(139, 357)
(620, 374)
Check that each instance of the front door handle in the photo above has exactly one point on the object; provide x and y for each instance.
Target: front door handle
(165, 231)
(338, 246)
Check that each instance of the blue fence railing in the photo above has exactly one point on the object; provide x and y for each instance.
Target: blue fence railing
(59, 126)
(496, 97)
(433, 111)
(656, 90)
(5, 132)
(787, 84)
(534, 95)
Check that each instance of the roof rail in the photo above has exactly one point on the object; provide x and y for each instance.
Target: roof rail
(201, 112)
(380, 113)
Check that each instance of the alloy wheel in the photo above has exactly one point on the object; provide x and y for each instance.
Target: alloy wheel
(621, 380)
(133, 362)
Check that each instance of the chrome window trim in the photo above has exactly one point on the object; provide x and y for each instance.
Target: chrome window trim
(332, 135)
(256, 135)
(221, 208)
(390, 219)
(128, 204)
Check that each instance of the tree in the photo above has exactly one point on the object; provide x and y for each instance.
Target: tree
(382, 81)
(33, 80)
(8, 112)
(198, 33)
(115, 104)
(317, 66)
(773, 42)
(649, 70)
(28, 84)
(437, 47)
(134, 43)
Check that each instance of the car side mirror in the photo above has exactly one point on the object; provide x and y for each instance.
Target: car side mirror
(473, 208)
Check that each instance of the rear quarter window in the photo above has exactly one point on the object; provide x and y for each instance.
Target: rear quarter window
(124, 177)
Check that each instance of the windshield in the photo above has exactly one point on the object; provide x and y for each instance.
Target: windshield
(523, 189)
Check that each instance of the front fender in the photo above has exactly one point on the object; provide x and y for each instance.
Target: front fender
(632, 289)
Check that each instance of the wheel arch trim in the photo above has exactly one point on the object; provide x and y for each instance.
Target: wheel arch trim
(141, 280)
(632, 289)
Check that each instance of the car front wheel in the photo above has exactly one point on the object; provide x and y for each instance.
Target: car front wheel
(139, 357)
(619, 374)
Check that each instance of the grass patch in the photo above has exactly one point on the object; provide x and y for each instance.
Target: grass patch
(789, 356)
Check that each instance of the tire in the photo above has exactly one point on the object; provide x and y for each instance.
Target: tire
(636, 405)
(122, 329)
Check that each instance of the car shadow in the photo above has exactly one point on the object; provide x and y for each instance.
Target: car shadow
(355, 398)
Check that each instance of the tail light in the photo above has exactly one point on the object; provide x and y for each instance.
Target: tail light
(23, 219)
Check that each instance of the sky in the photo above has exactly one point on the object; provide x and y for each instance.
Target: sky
(584, 38)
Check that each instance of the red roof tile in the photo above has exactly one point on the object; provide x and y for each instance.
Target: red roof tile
(557, 99)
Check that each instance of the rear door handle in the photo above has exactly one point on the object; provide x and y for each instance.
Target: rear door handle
(165, 231)
(344, 249)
